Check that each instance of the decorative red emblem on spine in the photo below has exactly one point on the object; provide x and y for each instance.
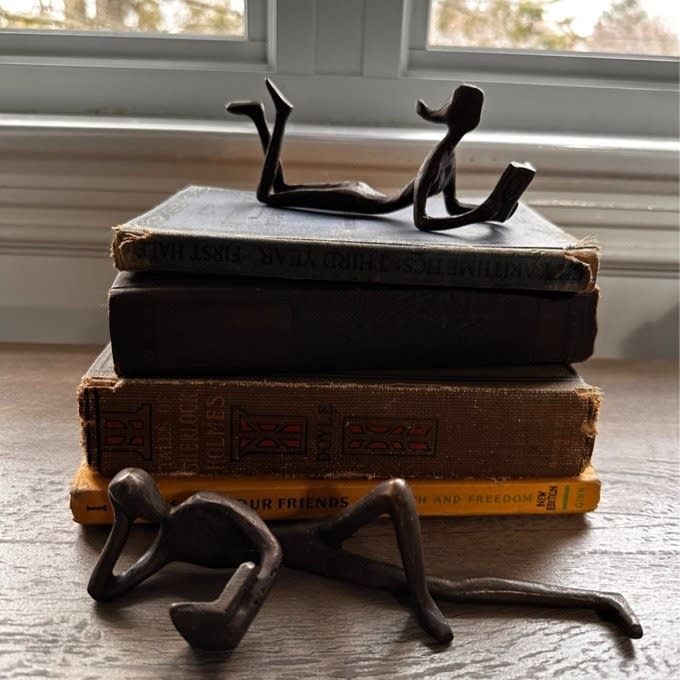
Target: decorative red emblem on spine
(126, 432)
(259, 433)
(403, 436)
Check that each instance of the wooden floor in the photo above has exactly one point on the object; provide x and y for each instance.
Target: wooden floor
(314, 628)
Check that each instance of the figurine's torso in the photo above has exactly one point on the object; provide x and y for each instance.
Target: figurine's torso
(203, 531)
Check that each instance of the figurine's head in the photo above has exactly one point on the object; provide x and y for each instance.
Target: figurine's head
(463, 111)
(134, 493)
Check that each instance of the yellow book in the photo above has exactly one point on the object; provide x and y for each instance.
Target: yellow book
(279, 499)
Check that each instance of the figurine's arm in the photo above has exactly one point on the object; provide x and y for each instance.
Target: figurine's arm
(394, 498)
(131, 497)
(498, 207)
(453, 205)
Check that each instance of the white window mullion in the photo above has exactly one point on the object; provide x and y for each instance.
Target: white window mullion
(385, 40)
(295, 37)
(419, 18)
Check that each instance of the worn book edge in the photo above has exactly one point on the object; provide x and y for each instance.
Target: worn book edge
(284, 499)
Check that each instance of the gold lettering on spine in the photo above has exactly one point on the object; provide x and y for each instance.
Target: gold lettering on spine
(162, 434)
(187, 431)
(215, 434)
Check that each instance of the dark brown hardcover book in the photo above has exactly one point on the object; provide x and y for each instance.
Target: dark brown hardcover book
(208, 230)
(173, 325)
(532, 421)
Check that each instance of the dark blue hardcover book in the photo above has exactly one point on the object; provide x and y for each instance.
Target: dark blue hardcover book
(222, 231)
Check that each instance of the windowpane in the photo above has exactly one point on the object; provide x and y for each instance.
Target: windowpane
(198, 17)
(649, 27)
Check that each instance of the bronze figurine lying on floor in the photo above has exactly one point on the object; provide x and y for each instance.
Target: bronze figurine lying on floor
(212, 530)
(436, 174)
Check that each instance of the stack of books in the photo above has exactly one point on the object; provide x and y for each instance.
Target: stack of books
(291, 358)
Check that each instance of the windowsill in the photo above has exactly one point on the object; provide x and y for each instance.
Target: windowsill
(668, 146)
(622, 188)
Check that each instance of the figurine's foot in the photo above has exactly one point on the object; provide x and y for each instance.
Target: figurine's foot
(220, 624)
(242, 108)
(512, 184)
(617, 609)
(205, 626)
(281, 104)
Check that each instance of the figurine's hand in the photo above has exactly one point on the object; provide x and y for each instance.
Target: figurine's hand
(134, 493)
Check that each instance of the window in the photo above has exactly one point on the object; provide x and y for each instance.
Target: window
(355, 62)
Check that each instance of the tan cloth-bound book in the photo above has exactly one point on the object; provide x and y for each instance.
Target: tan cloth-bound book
(526, 421)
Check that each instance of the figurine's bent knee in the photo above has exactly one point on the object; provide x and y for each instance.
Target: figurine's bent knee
(397, 491)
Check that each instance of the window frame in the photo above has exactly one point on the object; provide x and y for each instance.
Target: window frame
(54, 44)
(423, 57)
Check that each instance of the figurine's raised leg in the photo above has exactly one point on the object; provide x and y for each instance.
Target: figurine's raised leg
(221, 624)
(394, 498)
(271, 161)
(255, 111)
(133, 494)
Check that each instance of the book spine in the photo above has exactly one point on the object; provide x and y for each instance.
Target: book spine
(230, 327)
(337, 429)
(572, 270)
(312, 500)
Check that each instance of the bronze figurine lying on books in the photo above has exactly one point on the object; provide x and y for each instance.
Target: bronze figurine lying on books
(436, 174)
(213, 530)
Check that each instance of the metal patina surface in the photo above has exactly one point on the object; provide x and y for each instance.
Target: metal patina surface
(437, 173)
(214, 530)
